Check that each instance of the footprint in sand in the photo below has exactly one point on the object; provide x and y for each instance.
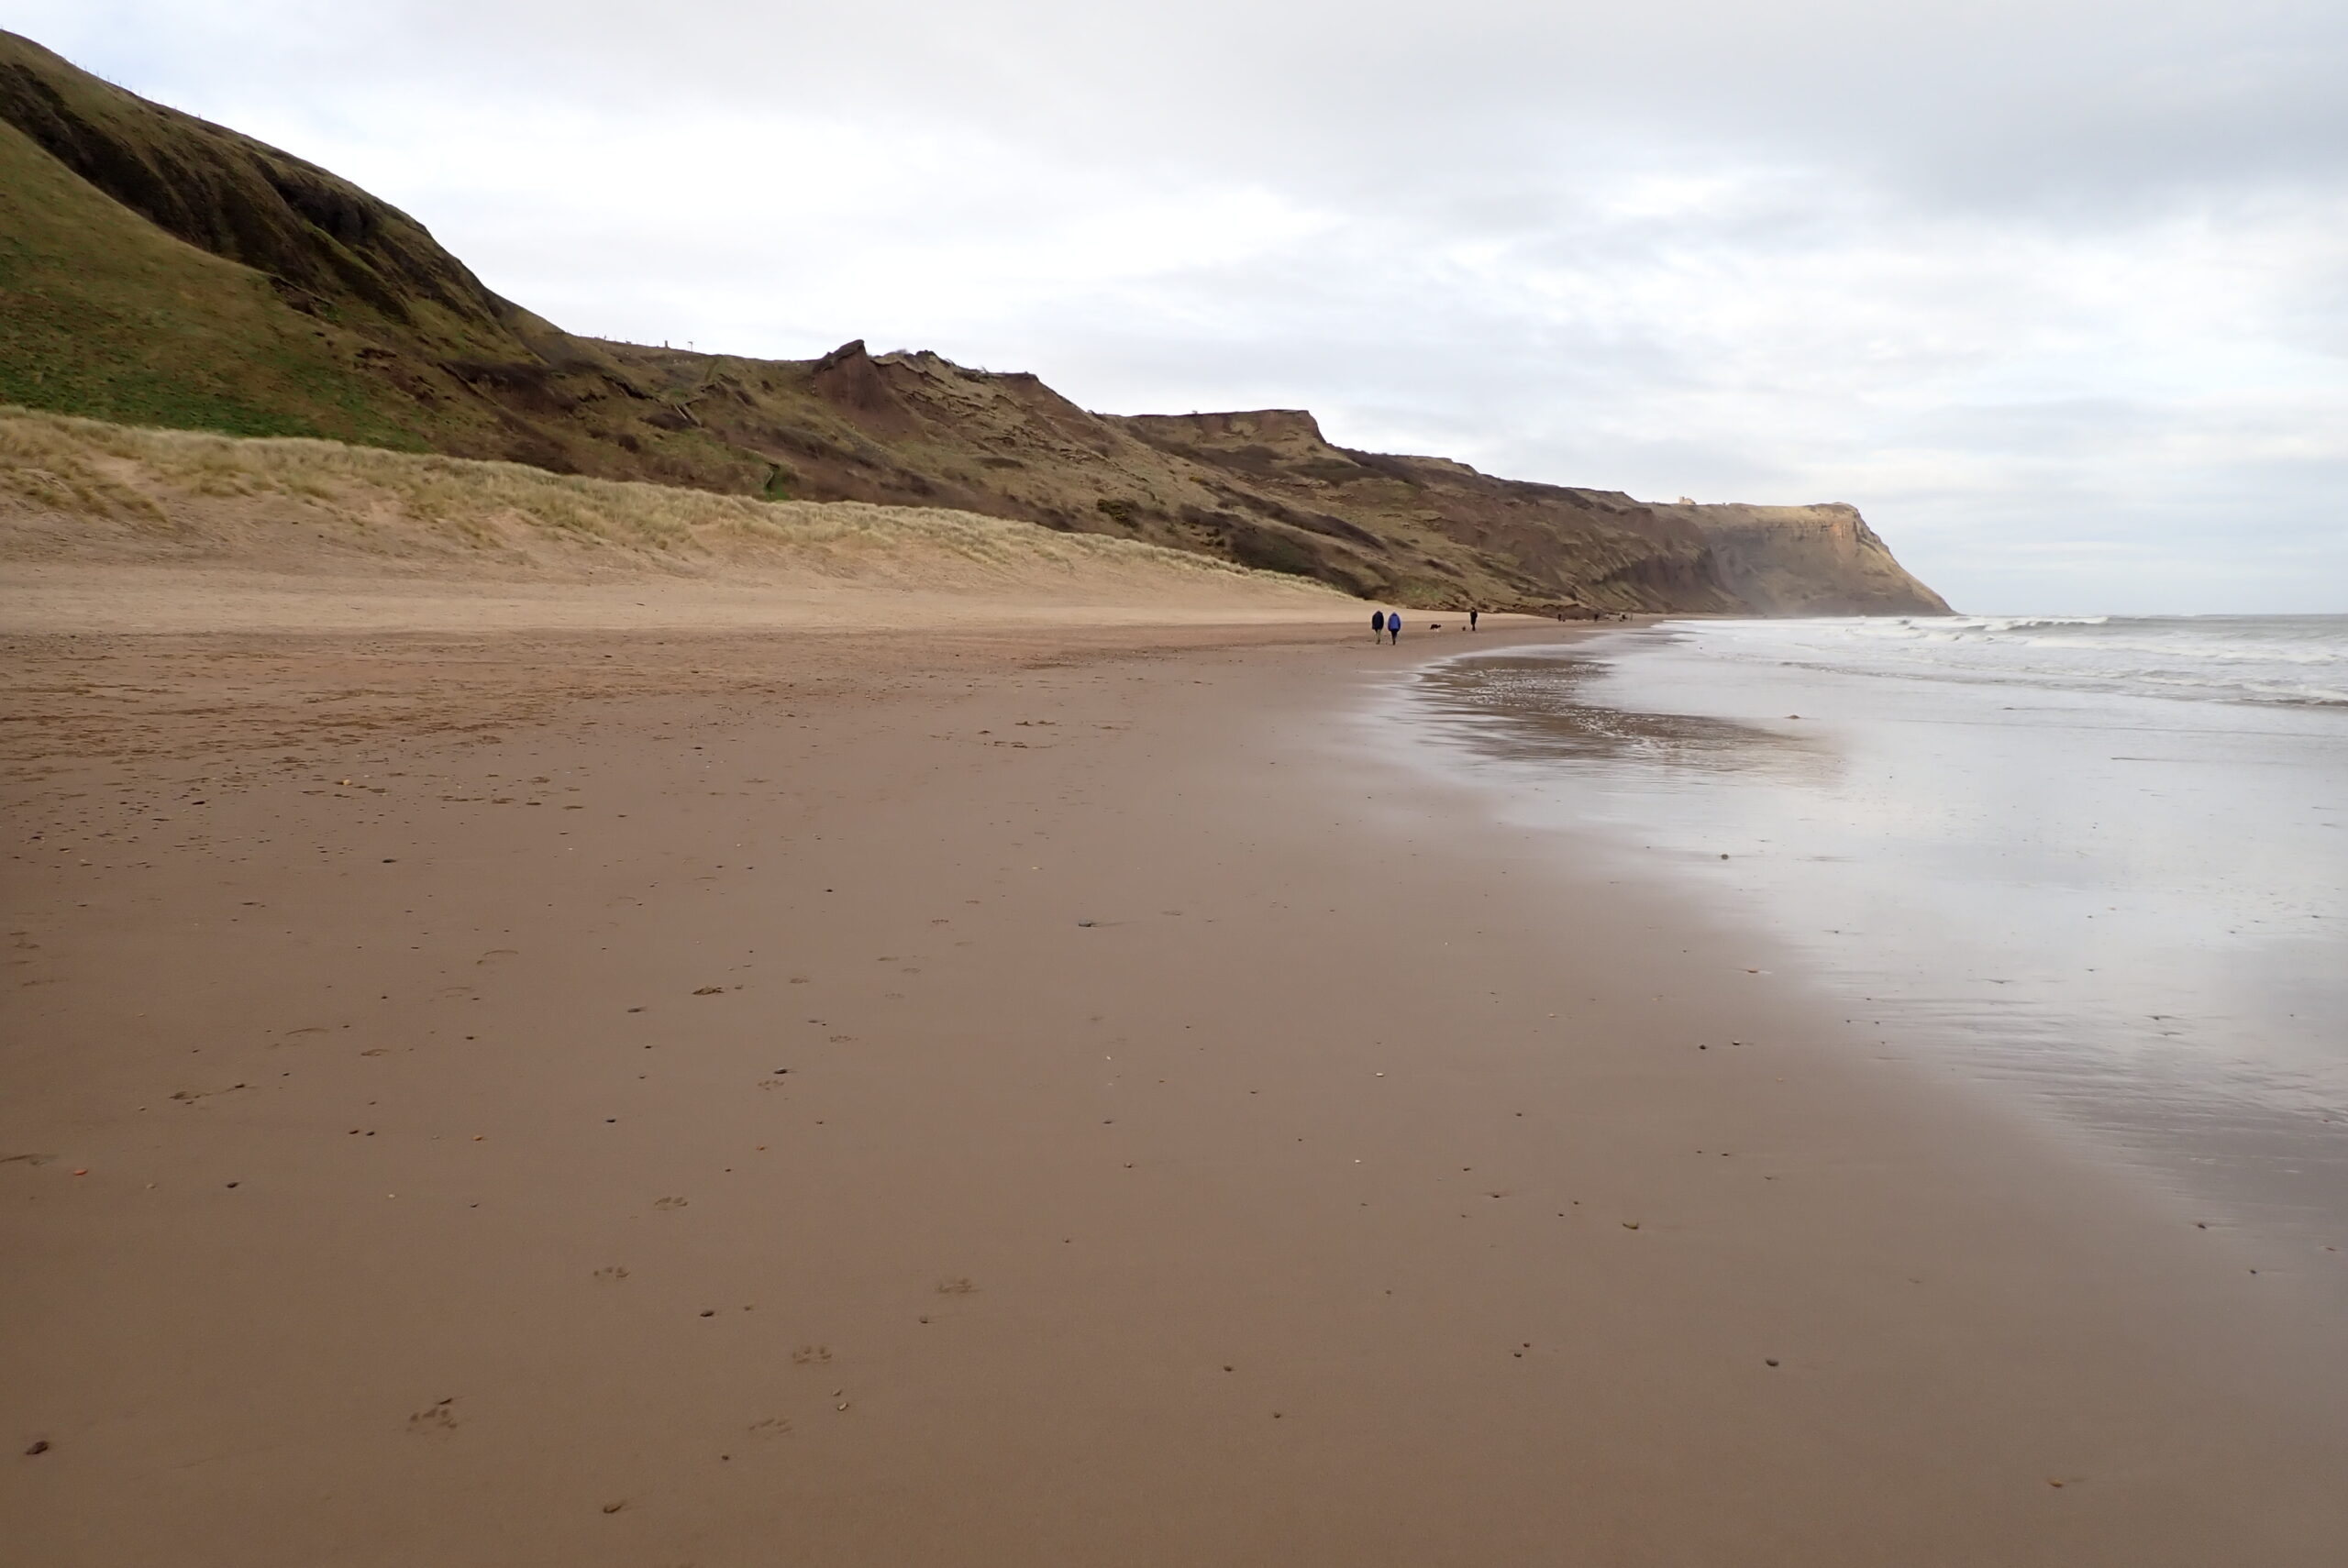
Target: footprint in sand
(498, 955)
(612, 1274)
(668, 1203)
(773, 1426)
(439, 1420)
(957, 1286)
(811, 1355)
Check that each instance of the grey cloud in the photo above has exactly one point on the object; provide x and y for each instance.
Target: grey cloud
(2090, 91)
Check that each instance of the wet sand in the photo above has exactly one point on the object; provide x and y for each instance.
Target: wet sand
(1010, 1097)
(2119, 912)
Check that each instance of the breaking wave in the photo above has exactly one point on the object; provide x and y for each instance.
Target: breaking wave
(2289, 659)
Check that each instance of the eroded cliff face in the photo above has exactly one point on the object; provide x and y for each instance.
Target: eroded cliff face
(161, 270)
(1450, 534)
(1808, 560)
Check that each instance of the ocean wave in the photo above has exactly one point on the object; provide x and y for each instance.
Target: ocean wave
(2290, 660)
(2252, 690)
(2023, 623)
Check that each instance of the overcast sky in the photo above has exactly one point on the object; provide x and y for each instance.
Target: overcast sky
(2056, 291)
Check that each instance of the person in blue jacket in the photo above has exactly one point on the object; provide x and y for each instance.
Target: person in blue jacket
(1394, 626)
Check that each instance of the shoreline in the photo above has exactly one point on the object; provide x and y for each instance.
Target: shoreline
(2134, 949)
(1096, 961)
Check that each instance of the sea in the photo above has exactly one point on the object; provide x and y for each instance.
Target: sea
(2097, 866)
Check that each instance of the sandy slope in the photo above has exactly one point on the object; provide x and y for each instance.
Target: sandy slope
(58, 599)
(106, 528)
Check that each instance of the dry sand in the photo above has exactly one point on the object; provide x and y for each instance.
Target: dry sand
(635, 1097)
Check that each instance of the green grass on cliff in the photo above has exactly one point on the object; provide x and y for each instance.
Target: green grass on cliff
(103, 314)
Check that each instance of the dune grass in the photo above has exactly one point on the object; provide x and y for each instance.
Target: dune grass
(211, 493)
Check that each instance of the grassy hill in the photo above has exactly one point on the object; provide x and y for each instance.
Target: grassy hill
(157, 269)
(108, 315)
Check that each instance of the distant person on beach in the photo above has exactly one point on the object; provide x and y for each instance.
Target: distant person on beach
(1394, 626)
(1377, 625)
(1472, 618)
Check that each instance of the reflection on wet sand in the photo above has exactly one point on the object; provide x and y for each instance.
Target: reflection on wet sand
(2126, 910)
(1532, 708)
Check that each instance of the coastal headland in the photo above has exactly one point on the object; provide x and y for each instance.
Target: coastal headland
(1023, 1094)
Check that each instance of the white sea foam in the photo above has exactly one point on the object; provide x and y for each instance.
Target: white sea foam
(2263, 659)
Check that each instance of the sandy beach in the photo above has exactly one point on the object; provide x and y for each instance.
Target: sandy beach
(1007, 1095)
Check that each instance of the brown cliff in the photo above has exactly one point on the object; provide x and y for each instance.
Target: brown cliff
(1808, 560)
(1446, 532)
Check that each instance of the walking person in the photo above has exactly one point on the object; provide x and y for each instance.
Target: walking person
(1394, 627)
(1472, 618)
(1377, 625)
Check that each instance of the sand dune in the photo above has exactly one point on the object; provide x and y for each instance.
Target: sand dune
(107, 526)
